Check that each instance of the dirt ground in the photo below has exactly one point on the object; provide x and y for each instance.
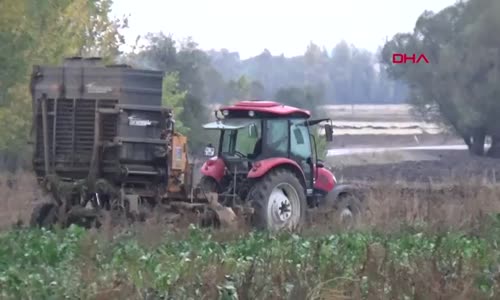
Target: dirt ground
(416, 165)
(409, 165)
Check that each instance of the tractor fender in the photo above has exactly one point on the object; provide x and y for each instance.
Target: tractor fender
(330, 200)
(213, 168)
(261, 167)
(325, 181)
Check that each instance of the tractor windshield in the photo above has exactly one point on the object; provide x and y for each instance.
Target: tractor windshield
(238, 135)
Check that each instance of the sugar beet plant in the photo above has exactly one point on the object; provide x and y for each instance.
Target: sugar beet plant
(411, 264)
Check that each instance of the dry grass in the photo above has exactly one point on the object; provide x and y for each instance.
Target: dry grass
(18, 192)
(395, 206)
(388, 205)
(439, 206)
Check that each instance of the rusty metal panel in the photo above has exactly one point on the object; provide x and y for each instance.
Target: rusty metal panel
(179, 153)
(90, 79)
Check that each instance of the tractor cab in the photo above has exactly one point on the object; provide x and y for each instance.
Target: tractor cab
(267, 158)
(253, 133)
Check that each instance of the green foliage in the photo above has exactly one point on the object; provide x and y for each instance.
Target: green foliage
(75, 264)
(15, 121)
(173, 98)
(244, 89)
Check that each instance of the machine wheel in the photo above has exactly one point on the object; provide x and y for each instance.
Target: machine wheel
(44, 215)
(348, 210)
(279, 201)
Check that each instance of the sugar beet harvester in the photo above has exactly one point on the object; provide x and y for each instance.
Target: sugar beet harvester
(105, 146)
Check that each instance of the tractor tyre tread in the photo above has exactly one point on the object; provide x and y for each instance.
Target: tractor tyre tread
(261, 191)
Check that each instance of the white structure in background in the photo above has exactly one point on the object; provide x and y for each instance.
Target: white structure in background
(349, 151)
(386, 128)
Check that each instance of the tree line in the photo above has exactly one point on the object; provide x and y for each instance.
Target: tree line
(460, 86)
(460, 83)
(344, 75)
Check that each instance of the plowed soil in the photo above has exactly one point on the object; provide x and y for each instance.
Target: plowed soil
(445, 166)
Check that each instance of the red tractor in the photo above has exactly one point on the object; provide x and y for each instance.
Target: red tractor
(267, 159)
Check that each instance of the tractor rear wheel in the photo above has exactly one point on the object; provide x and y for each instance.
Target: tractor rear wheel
(279, 201)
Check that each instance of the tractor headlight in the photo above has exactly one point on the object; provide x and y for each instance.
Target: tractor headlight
(251, 113)
(225, 112)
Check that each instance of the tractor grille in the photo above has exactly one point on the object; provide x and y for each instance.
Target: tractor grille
(71, 126)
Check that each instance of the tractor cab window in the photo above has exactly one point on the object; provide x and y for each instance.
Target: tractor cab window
(247, 137)
(300, 148)
(227, 141)
(242, 139)
(277, 137)
(300, 142)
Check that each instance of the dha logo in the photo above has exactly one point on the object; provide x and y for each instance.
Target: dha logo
(402, 58)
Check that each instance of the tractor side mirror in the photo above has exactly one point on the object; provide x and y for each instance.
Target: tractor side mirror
(328, 132)
(252, 131)
(209, 151)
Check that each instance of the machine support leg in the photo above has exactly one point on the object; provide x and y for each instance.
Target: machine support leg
(45, 135)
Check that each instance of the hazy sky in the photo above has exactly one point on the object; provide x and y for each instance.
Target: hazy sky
(281, 26)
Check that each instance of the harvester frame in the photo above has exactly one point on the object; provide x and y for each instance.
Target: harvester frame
(97, 150)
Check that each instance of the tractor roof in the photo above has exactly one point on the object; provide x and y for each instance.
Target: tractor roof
(265, 109)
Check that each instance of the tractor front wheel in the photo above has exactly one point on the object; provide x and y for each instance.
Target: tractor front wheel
(348, 210)
(279, 201)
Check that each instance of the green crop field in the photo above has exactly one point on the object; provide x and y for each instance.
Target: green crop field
(197, 264)
(435, 242)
